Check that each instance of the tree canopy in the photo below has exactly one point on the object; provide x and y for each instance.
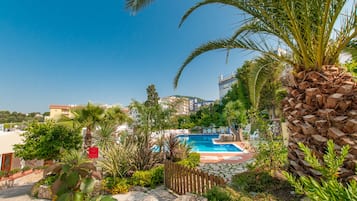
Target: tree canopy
(45, 141)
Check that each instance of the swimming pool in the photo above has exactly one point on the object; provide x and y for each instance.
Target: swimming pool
(203, 143)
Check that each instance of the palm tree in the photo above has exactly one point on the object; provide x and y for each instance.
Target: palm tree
(236, 117)
(88, 117)
(306, 30)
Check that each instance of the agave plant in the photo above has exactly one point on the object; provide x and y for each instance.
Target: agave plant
(77, 178)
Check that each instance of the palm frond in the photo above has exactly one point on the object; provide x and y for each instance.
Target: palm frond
(262, 70)
(203, 3)
(241, 43)
(306, 27)
(136, 5)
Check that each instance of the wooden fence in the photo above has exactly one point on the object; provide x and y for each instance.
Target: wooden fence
(183, 180)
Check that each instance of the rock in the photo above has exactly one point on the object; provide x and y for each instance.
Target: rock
(190, 197)
(138, 188)
(135, 195)
(44, 192)
(149, 198)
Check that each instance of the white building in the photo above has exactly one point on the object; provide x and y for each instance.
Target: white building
(225, 84)
(180, 104)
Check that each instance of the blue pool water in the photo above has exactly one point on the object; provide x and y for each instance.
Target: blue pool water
(204, 143)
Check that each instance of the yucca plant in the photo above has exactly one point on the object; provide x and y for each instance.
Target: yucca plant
(305, 34)
(173, 147)
(105, 135)
(117, 160)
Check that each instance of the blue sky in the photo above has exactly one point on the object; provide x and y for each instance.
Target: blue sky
(72, 52)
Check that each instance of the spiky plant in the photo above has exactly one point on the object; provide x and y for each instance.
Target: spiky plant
(322, 101)
(76, 176)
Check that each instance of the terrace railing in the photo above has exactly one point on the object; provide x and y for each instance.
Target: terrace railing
(182, 180)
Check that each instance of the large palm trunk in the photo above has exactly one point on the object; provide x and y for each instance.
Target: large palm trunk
(322, 106)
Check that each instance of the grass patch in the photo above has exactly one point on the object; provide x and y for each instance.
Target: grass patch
(254, 185)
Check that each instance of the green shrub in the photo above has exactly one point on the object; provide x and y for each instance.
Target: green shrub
(49, 180)
(116, 185)
(26, 168)
(328, 188)
(14, 171)
(222, 194)
(40, 167)
(157, 175)
(121, 187)
(252, 181)
(272, 154)
(149, 178)
(3, 173)
(193, 160)
(142, 178)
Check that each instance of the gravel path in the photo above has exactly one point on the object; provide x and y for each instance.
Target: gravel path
(17, 193)
(20, 193)
(19, 190)
(157, 194)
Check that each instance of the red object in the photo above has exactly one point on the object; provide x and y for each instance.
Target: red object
(93, 152)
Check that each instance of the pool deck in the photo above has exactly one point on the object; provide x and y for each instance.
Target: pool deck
(229, 157)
